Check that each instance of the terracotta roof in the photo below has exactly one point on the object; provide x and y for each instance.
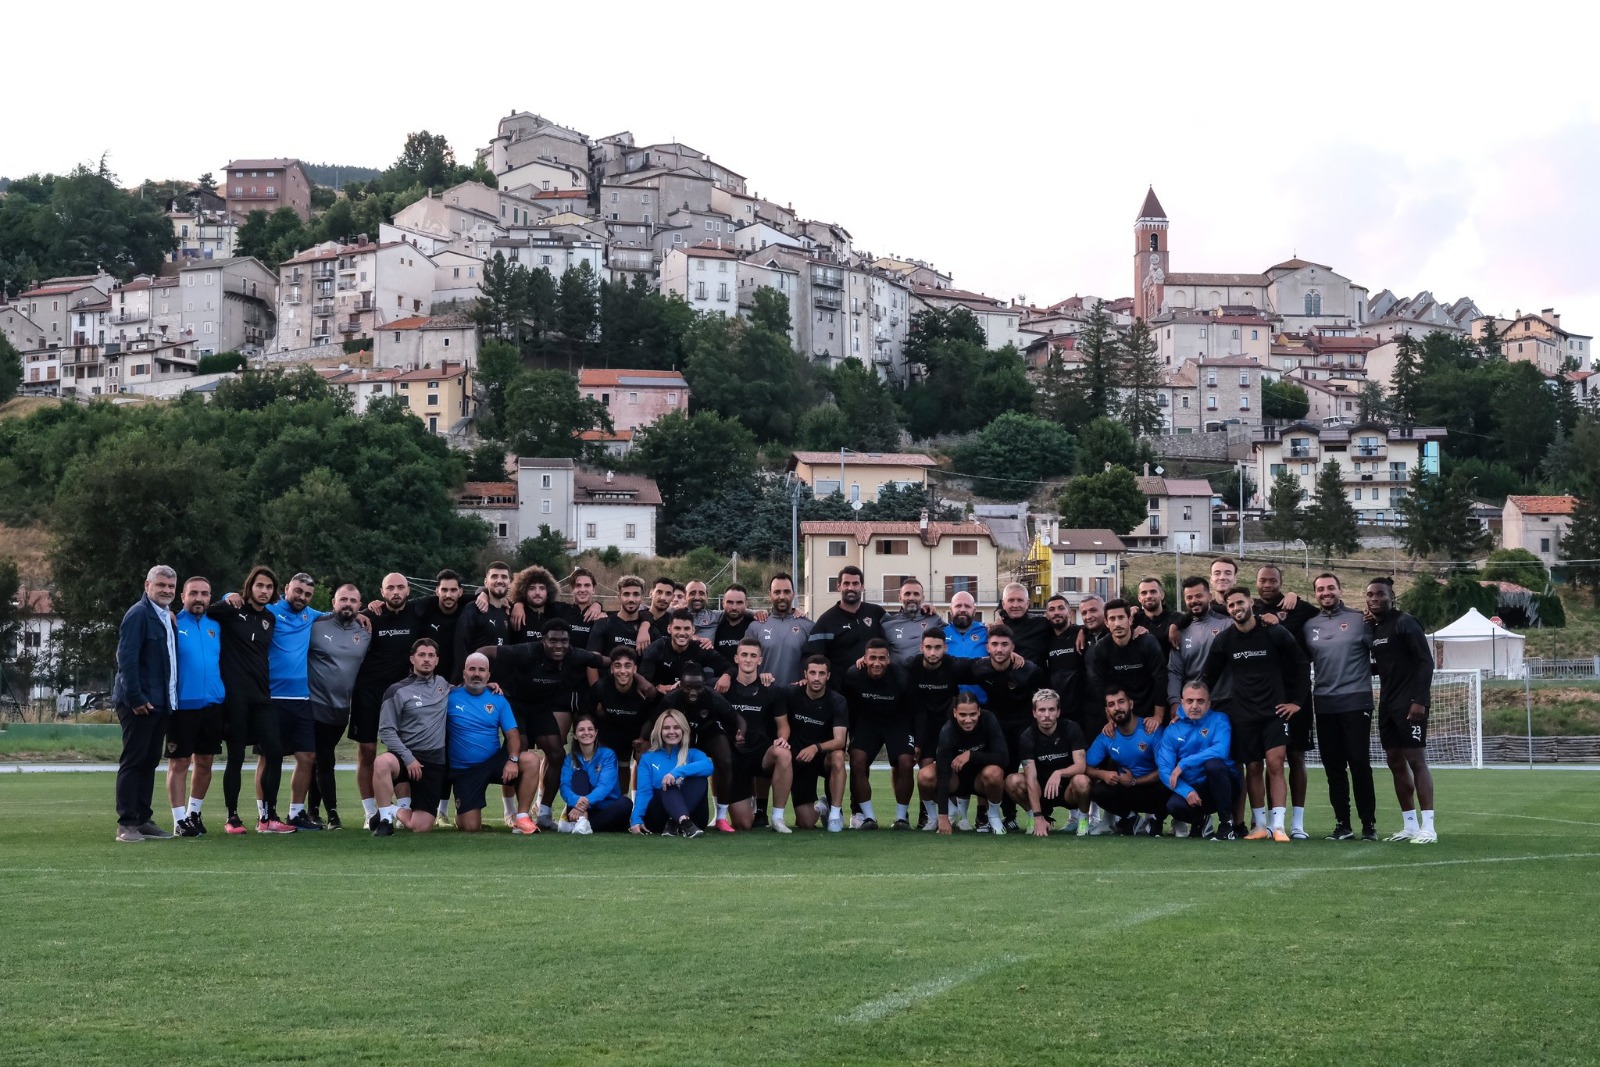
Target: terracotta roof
(53, 290)
(1184, 377)
(313, 254)
(257, 164)
(1544, 505)
(703, 250)
(959, 296)
(410, 323)
(601, 435)
(590, 487)
(40, 603)
(433, 374)
(1152, 208)
(865, 459)
(663, 379)
(864, 532)
(1297, 263)
(1088, 541)
(1152, 486)
(487, 490)
(561, 194)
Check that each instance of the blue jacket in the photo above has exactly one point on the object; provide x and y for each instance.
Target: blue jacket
(602, 772)
(287, 657)
(1134, 753)
(145, 671)
(656, 765)
(1189, 744)
(199, 662)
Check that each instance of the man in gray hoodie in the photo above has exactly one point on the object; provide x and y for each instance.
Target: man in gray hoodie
(1340, 646)
(411, 724)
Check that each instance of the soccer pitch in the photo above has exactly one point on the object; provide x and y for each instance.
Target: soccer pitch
(340, 948)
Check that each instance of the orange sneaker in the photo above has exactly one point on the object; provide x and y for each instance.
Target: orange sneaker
(1279, 836)
(524, 825)
(1260, 833)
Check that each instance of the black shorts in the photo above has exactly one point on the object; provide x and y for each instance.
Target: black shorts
(1398, 731)
(328, 715)
(428, 790)
(618, 735)
(806, 775)
(471, 784)
(246, 721)
(1253, 738)
(1302, 731)
(297, 727)
(967, 779)
(928, 726)
(747, 767)
(894, 735)
(364, 707)
(195, 732)
(1013, 732)
(534, 723)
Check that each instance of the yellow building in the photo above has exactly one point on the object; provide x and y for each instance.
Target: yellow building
(860, 475)
(441, 397)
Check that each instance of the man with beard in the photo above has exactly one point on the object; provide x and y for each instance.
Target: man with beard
(842, 633)
(733, 624)
(653, 627)
(291, 696)
(971, 758)
(585, 610)
(679, 654)
(875, 695)
(1052, 761)
(965, 637)
(620, 629)
(1340, 648)
(813, 721)
(194, 736)
(1152, 615)
(903, 629)
(1132, 662)
(696, 594)
(1030, 631)
(1275, 607)
(248, 708)
(1008, 684)
(395, 629)
(339, 644)
(441, 616)
(412, 723)
(485, 620)
(1122, 766)
(1404, 665)
(784, 634)
(1202, 622)
(713, 728)
(534, 602)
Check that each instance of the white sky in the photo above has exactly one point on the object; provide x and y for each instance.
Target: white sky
(1452, 147)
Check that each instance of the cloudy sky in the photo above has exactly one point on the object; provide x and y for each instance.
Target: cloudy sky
(1449, 147)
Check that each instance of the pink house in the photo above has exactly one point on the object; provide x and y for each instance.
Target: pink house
(636, 398)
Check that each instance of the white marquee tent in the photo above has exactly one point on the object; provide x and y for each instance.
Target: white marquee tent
(1474, 643)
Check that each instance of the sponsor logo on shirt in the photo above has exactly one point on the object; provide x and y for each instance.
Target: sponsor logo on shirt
(1250, 653)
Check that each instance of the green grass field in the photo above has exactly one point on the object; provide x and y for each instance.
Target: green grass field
(339, 948)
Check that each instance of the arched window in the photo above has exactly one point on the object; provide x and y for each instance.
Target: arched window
(1313, 302)
(1155, 242)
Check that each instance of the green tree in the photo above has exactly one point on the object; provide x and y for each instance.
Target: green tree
(1012, 455)
(313, 527)
(745, 372)
(1372, 405)
(578, 308)
(693, 459)
(1516, 565)
(488, 464)
(1490, 344)
(871, 416)
(547, 550)
(11, 613)
(1141, 377)
(1437, 510)
(221, 363)
(10, 369)
(1330, 520)
(1287, 523)
(1437, 603)
(1058, 397)
(1405, 381)
(545, 414)
(1580, 547)
(1097, 373)
(500, 309)
(933, 327)
(1110, 500)
(1284, 400)
(771, 311)
(824, 428)
(1105, 441)
(427, 159)
(1226, 485)
(274, 238)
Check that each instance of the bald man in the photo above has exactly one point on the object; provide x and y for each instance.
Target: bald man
(387, 662)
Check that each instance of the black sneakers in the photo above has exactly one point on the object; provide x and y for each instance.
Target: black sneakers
(760, 821)
(382, 827)
(1011, 826)
(868, 824)
(1369, 833)
(305, 821)
(333, 822)
(1342, 832)
(1225, 832)
(901, 824)
(687, 828)
(185, 827)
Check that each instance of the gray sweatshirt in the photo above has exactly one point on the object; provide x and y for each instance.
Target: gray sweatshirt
(1188, 660)
(332, 661)
(904, 634)
(783, 646)
(1340, 646)
(413, 717)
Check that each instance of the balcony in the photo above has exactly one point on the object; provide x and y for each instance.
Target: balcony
(293, 277)
(323, 272)
(292, 298)
(824, 298)
(349, 327)
(1369, 451)
(346, 286)
(129, 316)
(832, 277)
(322, 309)
(1302, 452)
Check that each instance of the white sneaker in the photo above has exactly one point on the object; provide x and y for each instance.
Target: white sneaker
(1180, 828)
(856, 820)
(1142, 827)
(997, 828)
(1424, 837)
(582, 827)
(931, 826)
(964, 826)
(565, 827)
(835, 823)
(1299, 834)
(1069, 826)
(1100, 827)
(1402, 835)
(779, 827)
(821, 808)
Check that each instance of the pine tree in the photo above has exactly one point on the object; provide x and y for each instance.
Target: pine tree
(1406, 380)
(1437, 510)
(1097, 376)
(1581, 545)
(1330, 521)
(1141, 381)
(1287, 523)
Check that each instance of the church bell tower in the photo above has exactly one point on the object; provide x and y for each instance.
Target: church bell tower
(1149, 257)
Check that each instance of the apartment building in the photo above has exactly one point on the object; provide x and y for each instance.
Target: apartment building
(1178, 515)
(1225, 390)
(427, 341)
(947, 557)
(334, 292)
(1001, 322)
(1537, 523)
(705, 276)
(228, 305)
(266, 185)
(1540, 340)
(635, 398)
(1375, 461)
(203, 234)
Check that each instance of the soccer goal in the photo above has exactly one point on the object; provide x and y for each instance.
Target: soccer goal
(1455, 721)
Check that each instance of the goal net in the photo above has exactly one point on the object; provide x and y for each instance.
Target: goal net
(1455, 721)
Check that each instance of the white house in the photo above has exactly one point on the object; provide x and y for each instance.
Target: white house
(592, 509)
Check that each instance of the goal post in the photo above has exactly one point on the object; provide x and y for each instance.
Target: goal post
(1455, 722)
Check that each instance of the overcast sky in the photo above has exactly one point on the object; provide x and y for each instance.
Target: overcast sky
(1449, 147)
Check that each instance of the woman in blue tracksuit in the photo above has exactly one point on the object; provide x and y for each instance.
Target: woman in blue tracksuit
(589, 784)
(669, 796)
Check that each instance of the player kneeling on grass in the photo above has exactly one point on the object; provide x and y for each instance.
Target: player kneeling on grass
(815, 722)
(590, 786)
(411, 724)
(484, 743)
(1122, 765)
(971, 758)
(669, 796)
(1053, 763)
(1193, 761)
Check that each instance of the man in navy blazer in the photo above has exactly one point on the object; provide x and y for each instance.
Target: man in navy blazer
(144, 695)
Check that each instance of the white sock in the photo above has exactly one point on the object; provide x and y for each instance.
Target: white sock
(955, 810)
(405, 802)
(1277, 818)
(261, 809)
(544, 811)
(1259, 815)
(369, 806)
(521, 815)
(195, 803)
(511, 805)
(389, 813)
(1300, 819)
(866, 810)
(834, 813)
(777, 816)
(178, 814)
(994, 815)
(902, 811)
(444, 806)
(1427, 819)
(932, 808)
(1096, 812)
(565, 827)
(1409, 818)
(722, 811)
(295, 809)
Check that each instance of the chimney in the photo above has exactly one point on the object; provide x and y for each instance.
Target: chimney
(922, 523)
(609, 477)
(1147, 470)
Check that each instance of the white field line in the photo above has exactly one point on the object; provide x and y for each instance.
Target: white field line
(1535, 818)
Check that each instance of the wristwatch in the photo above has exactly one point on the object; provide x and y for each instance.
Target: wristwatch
(513, 759)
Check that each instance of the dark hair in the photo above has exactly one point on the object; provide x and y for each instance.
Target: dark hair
(1196, 579)
(679, 587)
(877, 642)
(813, 660)
(1382, 579)
(558, 626)
(497, 565)
(446, 575)
(750, 642)
(668, 582)
(1118, 604)
(910, 579)
(1243, 590)
(965, 697)
(1152, 578)
(1330, 574)
(260, 571)
(622, 652)
(342, 586)
(196, 578)
(1000, 629)
(1273, 567)
(1197, 683)
(580, 572)
(781, 576)
(936, 633)
(1061, 597)
(851, 568)
(736, 588)
(424, 642)
(573, 752)
(1113, 690)
(681, 615)
(1229, 560)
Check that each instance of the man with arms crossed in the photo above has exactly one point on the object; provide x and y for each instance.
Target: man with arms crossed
(412, 723)
(1053, 764)
(195, 733)
(814, 722)
(1340, 648)
(1404, 666)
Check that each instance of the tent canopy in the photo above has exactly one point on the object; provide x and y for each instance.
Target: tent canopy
(1473, 642)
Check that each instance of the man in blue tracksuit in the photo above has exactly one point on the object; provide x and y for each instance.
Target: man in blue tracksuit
(196, 731)
(291, 692)
(1193, 761)
(966, 637)
(1122, 768)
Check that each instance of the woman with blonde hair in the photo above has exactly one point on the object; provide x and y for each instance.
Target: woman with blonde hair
(670, 794)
